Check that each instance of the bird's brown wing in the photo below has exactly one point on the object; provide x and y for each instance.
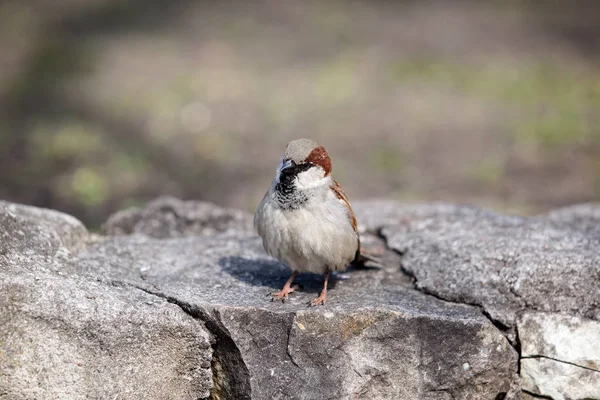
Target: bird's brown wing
(339, 193)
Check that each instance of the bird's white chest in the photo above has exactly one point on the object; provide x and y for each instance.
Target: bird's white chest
(313, 238)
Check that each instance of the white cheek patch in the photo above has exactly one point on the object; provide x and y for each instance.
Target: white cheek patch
(311, 178)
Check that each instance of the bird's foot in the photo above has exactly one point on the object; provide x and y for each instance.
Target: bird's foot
(319, 300)
(283, 293)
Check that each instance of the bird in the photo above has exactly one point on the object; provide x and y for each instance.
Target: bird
(305, 219)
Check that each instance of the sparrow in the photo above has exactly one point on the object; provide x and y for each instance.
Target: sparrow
(305, 220)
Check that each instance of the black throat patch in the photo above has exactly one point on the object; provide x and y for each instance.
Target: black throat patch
(287, 195)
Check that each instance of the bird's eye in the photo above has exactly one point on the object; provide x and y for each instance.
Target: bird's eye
(305, 166)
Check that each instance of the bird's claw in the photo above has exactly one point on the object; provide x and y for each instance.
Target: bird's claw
(319, 300)
(282, 294)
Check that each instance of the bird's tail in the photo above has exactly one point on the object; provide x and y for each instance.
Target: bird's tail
(364, 256)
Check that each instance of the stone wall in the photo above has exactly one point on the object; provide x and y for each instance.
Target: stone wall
(170, 302)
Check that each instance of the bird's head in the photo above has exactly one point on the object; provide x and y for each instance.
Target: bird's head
(305, 164)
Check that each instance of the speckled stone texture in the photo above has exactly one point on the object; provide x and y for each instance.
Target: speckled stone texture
(537, 279)
(172, 303)
(501, 263)
(64, 335)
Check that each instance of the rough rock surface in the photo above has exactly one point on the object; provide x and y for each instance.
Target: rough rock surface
(582, 217)
(560, 355)
(501, 263)
(170, 217)
(172, 304)
(63, 335)
(376, 339)
(511, 267)
(559, 381)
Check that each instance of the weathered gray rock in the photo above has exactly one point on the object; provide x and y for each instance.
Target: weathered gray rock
(581, 217)
(511, 266)
(554, 346)
(78, 339)
(137, 313)
(565, 338)
(559, 381)
(28, 233)
(502, 263)
(376, 339)
(170, 217)
(173, 304)
(63, 335)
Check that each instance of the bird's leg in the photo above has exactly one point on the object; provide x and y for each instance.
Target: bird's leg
(287, 289)
(323, 296)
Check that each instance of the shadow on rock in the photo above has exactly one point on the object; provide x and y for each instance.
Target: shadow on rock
(267, 272)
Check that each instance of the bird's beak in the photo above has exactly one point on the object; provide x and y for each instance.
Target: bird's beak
(286, 166)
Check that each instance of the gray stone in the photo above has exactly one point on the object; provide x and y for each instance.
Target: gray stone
(137, 312)
(173, 304)
(558, 345)
(511, 266)
(63, 335)
(559, 381)
(501, 263)
(30, 232)
(170, 217)
(567, 338)
(375, 339)
(582, 217)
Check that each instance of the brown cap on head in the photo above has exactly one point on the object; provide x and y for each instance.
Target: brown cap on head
(307, 150)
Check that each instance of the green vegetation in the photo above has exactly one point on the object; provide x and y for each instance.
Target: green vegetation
(387, 159)
(490, 171)
(552, 107)
(108, 104)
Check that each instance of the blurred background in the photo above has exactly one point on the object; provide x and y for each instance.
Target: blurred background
(105, 104)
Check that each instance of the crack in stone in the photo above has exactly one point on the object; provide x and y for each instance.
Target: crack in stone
(499, 325)
(230, 374)
(534, 357)
(517, 347)
(356, 372)
(518, 296)
(536, 395)
(506, 331)
(287, 344)
(231, 378)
